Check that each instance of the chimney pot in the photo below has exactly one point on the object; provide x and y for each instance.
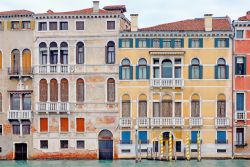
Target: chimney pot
(208, 22)
(96, 6)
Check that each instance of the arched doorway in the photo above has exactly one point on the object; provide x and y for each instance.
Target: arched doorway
(105, 140)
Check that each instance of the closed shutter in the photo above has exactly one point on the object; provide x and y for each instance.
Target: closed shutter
(221, 136)
(201, 42)
(148, 72)
(200, 72)
(80, 90)
(177, 109)
(64, 124)
(167, 109)
(149, 42)
(126, 136)
(120, 72)
(143, 136)
(156, 109)
(182, 43)
(216, 42)
(142, 109)
(227, 42)
(111, 90)
(131, 43)
(240, 102)
(137, 43)
(216, 72)
(43, 124)
(80, 124)
(227, 71)
(120, 43)
(131, 72)
(3, 25)
(64, 90)
(53, 90)
(43, 91)
(126, 109)
(190, 71)
(161, 43)
(172, 43)
(194, 136)
(190, 42)
(106, 54)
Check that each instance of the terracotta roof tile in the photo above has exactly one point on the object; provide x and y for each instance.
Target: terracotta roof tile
(17, 12)
(82, 11)
(219, 24)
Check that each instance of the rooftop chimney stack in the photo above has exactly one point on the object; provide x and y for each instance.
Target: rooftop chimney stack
(96, 6)
(208, 19)
(134, 22)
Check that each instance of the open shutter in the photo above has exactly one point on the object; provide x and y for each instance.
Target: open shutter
(172, 42)
(227, 71)
(190, 71)
(137, 72)
(137, 43)
(120, 72)
(200, 72)
(106, 54)
(216, 72)
(182, 43)
(201, 42)
(131, 72)
(131, 43)
(216, 42)
(190, 42)
(120, 43)
(227, 42)
(245, 65)
(148, 72)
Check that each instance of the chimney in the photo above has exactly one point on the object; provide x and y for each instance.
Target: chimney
(134, 22)
(208, 19)
(96, 6)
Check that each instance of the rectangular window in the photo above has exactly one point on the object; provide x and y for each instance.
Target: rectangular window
(64, 144)
(195, 108)
(221, 137)
(43, 124)
(240, 102)
(44, 144)
(195, 71)
(26, 128)
(156, 109)
(15, 102)
(194, 136)
(42, 26)
(63, 25)
(16, 129)
(221, 108)
(156, 43)
(142, 71)
(240, 140)
(177, 43)
(195, 43)
(126, 72)
(178, 146)
(166, 43)
(222, 43)
(52, 25)
(110, 25)
(126, 137)
(26, 24)
(80, 125)
(177, 109)
(1, 130)
(80, 25)
(80, 144)
(177, 72)
(125, 43)
(64, 122)
(142, 43)
(240, 65)
(143, 137)
(239, 34)
(15, 25)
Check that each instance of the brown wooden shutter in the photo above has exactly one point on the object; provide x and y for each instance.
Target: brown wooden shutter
(80, 124)
(53, 90)
(177, 109)
(156, 109)
(43, 124)
(142, 109)
(64, 124)
(126, 109)
(64, 90)
(195, 108)
(111, 90)
(80, 90)
(43, 90)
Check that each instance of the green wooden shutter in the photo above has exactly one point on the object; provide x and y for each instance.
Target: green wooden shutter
(227, 71)
(235, 66)
(148, 72)
(131, 42)
(227, 42)
(190, 42)
(161, 43)
(245, 65)
(120, 43)
(216, 42)
(120, 72)
(172, 43)
(131, 72)
(137, 43)
(201, 42)
(216, 72)
(190, 71)
(148, 41)
(200, 72)
(137, 72)
(182, 43)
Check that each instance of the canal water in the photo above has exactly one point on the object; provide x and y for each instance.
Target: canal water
(125, 163)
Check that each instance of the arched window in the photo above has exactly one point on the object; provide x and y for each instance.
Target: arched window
(79, 53)
(221, 69)
(64, 53)
(111, 90)
(127, 70)
(167, 106)
(26, 61)
(110, 53)
(126, 106)
(15, 62)
(195, 106)
(53, 49)
(1, 60)
(142, 106)
(195, 70)
(43, 53)
(53, 90)
(221, 105)
(80, 90)
(141, 71)
(167, 68)
(43, 88)
(1, 102)
(64, 90)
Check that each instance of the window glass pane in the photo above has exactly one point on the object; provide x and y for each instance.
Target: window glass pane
(44, 144)
(142, 72)
(167, 108)
(52, 25)
(64, 144)
(15, 25)
(142, 43)
(42, 26)
(1, 130)
(63, 25)
(110, 25)
(80, 144)
(156, 71)
(195, 72)
(15, 101)
(26, 129)
(16, 129)
(166, 43)
(239, 33)
(156, 43)
(222, 71)
(177, 72)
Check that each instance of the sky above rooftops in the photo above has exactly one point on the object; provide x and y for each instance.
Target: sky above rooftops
(151, 12)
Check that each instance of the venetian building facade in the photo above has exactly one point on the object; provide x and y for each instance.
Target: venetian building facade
(176, 78)
(241, 86)
(75, 82)
(16, 95)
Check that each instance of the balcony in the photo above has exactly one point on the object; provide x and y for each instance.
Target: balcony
(167, 82)
(143, 122)
(58, 107)
(52, 69)
(125, 122)
(166, 122)
(20, 72)
(195, 121)
(240, 115)
(222, 122)
(19, 115)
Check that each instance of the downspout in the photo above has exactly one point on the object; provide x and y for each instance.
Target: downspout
(233, 110)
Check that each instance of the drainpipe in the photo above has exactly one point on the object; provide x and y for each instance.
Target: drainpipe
(233, 110)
